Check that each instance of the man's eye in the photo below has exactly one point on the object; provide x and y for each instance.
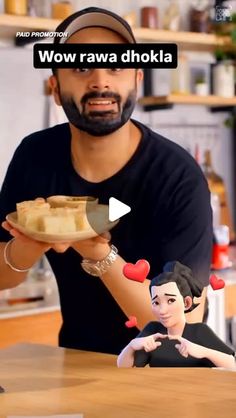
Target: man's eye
(116, 70)
(171, 300)
(81, 70)
(155, 303)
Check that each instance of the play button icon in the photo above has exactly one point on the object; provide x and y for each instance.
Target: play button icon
(117, 209)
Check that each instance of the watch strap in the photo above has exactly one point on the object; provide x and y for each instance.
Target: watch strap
(97, 268)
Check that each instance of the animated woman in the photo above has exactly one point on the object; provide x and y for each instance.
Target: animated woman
(171, 342)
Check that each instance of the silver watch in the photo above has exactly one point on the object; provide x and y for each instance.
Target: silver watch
(97, 268)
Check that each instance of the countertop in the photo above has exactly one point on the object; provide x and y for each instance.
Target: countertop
(43, 380)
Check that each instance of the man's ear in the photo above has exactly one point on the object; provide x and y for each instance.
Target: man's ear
(139, 75)
(139, 79)
(187, 302)
(53, 82)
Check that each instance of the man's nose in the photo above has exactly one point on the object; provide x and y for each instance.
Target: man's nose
(99, 80)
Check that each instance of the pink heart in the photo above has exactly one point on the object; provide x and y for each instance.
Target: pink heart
(132, 322)
(216, 283)
(137, 271)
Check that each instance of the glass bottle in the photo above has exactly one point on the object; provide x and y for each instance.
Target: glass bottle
(41, 8)
(171, 18)
(217, 187)
(180, 76)
(215, 205)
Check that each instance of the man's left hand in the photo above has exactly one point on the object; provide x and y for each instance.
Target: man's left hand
(96, 248)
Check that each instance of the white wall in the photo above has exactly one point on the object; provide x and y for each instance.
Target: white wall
(22, 102)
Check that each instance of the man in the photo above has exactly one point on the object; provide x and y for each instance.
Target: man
(103, 153)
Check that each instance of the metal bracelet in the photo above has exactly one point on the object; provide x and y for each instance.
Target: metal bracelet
(6, 258)
(108, 260)
(98, 268)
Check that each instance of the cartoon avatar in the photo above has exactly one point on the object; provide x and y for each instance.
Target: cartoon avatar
(171, 342)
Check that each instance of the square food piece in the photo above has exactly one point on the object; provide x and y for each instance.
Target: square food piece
(57, 224)
(33, 217)
(29, 211)
(81, 221)
(82, 203)
(79, 216)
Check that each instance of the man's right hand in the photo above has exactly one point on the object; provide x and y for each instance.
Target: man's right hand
(39, 246)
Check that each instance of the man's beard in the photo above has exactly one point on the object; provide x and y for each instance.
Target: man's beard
(98, 123)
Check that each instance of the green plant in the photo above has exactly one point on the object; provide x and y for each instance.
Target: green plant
(229, 29)
(233, 31)
(233, 18)
(230, 121)
(200, 79)
(222, 55)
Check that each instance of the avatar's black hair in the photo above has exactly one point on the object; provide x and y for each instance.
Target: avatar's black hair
(182, 275)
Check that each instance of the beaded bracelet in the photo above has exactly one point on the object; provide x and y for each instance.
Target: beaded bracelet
(6, 258)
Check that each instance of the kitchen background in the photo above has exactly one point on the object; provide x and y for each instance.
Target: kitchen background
(24, 108)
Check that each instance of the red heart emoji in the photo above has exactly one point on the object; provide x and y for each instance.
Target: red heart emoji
(137, 271)
(216, 283)
(132, 322)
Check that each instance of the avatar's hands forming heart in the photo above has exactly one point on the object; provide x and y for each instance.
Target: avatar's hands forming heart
(137, 272)
(216, 283)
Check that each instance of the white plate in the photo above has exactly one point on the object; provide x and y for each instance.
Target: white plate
(100, 224)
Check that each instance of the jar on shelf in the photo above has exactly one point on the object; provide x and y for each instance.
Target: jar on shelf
(199, 16)
(171, 18)
(149, 17)
(61, 9)
(223, 79)
(39, 8)
(16, 7)
(201, 87)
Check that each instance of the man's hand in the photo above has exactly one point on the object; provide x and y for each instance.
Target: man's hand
(148, 343)
(37, 245)
(96, 248)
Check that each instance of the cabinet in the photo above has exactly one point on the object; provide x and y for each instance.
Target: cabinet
(39, 328)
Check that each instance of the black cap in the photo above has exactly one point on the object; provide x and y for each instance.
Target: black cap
(94, 17)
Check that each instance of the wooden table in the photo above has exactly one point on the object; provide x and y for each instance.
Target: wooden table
(45, 380)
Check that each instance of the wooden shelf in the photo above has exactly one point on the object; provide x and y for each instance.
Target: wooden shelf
(11, 24)
(28, 22)
(186, 40)
(191, 99)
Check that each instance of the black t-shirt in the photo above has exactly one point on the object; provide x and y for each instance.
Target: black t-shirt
(167, 354)
(170, 220)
